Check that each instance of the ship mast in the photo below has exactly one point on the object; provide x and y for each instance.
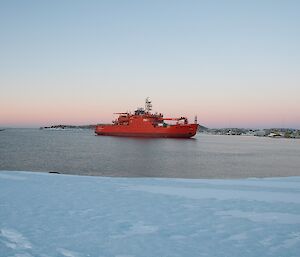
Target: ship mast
(148, 105)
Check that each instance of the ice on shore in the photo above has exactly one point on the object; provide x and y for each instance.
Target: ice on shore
(61, 215)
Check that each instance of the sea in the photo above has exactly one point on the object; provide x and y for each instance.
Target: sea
(81, 152)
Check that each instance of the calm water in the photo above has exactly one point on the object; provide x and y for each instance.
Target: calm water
(205, 156)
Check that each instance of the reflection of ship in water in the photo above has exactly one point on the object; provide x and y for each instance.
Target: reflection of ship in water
(145, 124)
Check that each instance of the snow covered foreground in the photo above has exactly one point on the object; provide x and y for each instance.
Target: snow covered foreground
(61, 215)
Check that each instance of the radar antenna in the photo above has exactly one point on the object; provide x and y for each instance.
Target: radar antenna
(148, 105)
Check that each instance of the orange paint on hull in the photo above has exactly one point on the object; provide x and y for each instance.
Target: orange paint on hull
(172, 131)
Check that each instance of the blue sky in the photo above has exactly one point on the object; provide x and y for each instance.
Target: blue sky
(234, 63)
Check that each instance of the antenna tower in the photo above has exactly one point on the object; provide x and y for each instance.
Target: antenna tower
(148, 105)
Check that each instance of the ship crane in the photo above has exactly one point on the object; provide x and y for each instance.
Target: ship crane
(182, 118)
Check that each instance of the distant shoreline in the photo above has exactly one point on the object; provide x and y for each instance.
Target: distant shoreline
(69, 127)
(270, 132)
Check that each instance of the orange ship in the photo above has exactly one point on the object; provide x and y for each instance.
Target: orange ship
(145, 124)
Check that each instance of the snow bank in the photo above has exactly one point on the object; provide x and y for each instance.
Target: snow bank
(59, 215)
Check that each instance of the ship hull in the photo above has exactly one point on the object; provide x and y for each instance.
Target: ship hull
(173, 131)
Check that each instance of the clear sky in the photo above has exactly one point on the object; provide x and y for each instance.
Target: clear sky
(233, 63)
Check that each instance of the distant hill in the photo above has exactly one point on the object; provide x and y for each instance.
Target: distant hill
(69, 127)
(202, 128)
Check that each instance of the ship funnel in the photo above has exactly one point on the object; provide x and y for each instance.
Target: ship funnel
(196, 120)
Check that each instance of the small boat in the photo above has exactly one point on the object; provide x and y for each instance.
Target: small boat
(145, 124)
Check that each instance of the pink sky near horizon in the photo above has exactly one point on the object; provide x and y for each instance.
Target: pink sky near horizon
(32, 102)
(209, 114)
(43, 100)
